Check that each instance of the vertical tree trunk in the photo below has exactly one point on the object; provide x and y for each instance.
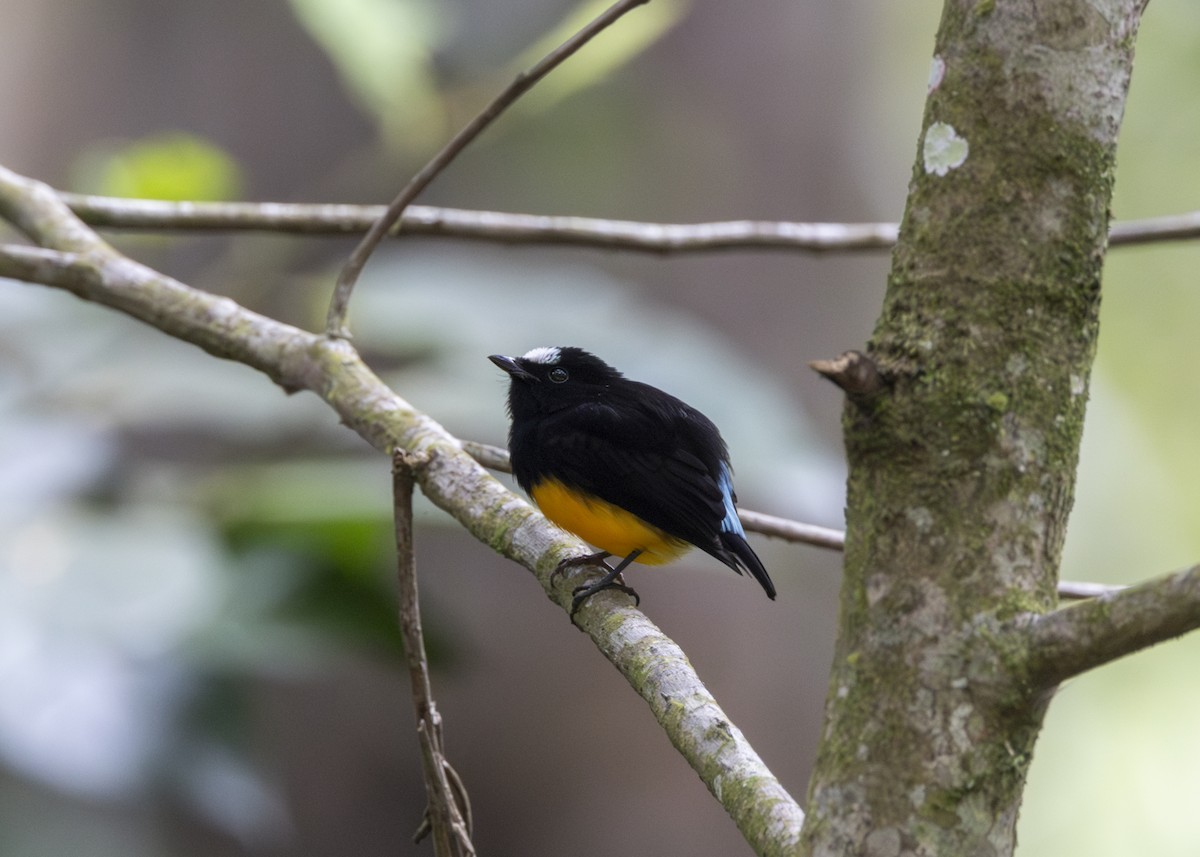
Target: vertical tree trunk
(962, 469)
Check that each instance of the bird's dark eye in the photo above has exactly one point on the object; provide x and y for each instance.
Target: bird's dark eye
(558, 374)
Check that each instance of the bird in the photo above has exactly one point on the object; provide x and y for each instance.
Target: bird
(628, 468)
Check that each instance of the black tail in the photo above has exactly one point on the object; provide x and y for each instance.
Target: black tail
(739, 555)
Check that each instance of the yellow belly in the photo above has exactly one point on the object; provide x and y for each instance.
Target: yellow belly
(606, 526)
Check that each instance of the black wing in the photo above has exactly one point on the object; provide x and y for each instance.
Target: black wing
(647, 453)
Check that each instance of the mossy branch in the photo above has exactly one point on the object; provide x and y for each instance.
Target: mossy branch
(77, 260)
(1090, 634)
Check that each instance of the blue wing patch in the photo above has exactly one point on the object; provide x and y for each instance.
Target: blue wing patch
(730, 523)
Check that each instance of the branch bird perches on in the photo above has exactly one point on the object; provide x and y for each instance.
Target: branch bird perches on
(77, 260)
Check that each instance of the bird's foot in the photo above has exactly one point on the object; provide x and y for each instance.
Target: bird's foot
(583, 593)
(611, 580)
(575, 561)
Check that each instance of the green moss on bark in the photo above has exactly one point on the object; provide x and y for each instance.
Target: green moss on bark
(962, 470)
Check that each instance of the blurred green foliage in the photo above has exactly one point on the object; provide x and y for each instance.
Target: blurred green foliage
(170, 166)
(601, 57)
(383, 50)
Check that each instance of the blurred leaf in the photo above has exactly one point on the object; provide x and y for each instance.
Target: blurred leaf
(45, 461)
(356, 548)
(93, 609)
(351, 608)
(172, 166)
(383, 51)
(616, 47)
(342, 582)
(332, 522)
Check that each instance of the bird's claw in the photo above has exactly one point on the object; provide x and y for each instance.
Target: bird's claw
(583, 593)
(611, 580)
(575, 561)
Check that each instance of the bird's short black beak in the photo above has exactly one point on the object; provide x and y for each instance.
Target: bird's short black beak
(510, 366)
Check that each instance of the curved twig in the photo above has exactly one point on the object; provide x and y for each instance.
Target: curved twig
(335, 323)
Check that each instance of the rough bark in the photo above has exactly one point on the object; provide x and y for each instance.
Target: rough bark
(962, 467)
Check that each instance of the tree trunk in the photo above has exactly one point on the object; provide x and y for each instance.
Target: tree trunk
(962, 467)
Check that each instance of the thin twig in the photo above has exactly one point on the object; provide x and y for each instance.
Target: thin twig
(501, 227)
(1077, 590)
(1175, 227)
(335, 323)
(793, 531)
(798, 532)
(447, 820)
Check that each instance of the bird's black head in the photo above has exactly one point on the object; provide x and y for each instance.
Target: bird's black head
(546, 379)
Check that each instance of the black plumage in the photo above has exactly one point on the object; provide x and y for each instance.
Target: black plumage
(580, 424)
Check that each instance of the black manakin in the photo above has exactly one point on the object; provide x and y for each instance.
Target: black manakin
(623, 465)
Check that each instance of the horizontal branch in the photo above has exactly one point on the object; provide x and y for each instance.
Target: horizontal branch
(1175, 227)
(1079, 589)
(495, 458)
(298, 360)
(1092, 633)
(510, 228)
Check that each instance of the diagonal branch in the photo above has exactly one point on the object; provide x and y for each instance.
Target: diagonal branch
(513, 228)
(1092, 633)
(654, 665)
(335, 324)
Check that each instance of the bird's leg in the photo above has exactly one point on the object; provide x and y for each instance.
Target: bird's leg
(596, 558)
(609, 581)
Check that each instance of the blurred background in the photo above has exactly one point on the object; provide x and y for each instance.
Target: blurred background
(197, 643)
